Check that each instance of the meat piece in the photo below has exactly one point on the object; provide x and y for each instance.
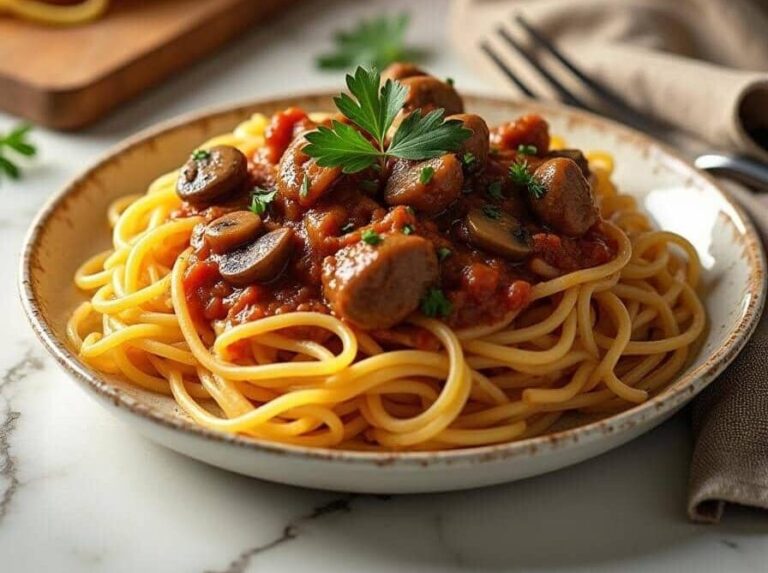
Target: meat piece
(428, 93)
(379, 286)
(400, 71)
(478, 143)
(576, 155)
(568, 204)
(526, 130)
(428, 186)
(296, 167)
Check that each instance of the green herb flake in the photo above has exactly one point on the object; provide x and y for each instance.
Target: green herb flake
(443, 253)
(260, 200)
(304, 191)
(376, 42)
(521, 175)
(348, 228)
(450, 81)
(372, 110)
(492, 212)
(435, 304)
(523, 149)
(426, 174)
(494, 191)
(201, 155)
(369, 185)
(468, 159)
(407, 229)
(16, 142)
(371, 237)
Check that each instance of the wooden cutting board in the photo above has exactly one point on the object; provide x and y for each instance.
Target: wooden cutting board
(66, 78)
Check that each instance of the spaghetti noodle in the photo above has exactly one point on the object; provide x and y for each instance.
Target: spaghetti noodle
(594, 340)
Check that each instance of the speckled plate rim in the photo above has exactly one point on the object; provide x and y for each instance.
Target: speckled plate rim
(687, 385)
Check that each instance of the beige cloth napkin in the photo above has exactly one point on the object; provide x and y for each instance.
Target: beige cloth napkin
(699, 65)
(730, 421)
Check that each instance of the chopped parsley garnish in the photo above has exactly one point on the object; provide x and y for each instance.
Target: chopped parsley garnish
(407, 229)
(378, 42)
(372, 111)
(371, 237)
(426, 174)
(492, 212)
(523, 149)
(348, 228)
(520, 174)
(369, 185)
(16, 142)
(260, 200)
(443, 253)
(494, 191)
(436, 304)
(201, 154)
(304, 191)
(468, 159)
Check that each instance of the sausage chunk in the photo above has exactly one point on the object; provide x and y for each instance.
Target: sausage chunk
(295, 167)
(400, 71)
(428, 93)
(428, 186)
(568, 204)
(379, 286)
(478, 143)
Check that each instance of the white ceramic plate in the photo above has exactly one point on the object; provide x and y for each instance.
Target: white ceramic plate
(73, 226)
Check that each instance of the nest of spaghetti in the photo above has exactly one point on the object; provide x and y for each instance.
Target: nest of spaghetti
(394, 276)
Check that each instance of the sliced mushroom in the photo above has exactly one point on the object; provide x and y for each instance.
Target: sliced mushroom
(400, 71)
(501, 234)
(567, 204)
(232, 230)
(262, 261)
(574, 155)
(428, 186)
(428, 93)
(210, 175)
(478, 143)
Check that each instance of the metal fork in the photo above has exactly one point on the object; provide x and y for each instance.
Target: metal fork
(740, 168)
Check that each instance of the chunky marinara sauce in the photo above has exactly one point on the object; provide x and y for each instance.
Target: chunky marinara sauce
(482, 287)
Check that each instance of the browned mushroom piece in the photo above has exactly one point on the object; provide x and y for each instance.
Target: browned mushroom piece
(379, 286)
(478, 143)
(262, 260)
(501, 234)
(400, 71)
(296, 166)
(232, 230)
(428, 93)
(568, 204)
(210, 175)
(428, 186)
(575, 155)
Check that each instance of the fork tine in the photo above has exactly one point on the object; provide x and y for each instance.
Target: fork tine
(505, 69)
(564, 92)
(598, 88)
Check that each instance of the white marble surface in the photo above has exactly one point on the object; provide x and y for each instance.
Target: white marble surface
(80, 492)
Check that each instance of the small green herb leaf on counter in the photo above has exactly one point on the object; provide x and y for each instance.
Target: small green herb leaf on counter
(17, 143)
(372, 42)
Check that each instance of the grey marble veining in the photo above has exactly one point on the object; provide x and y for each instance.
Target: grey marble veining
(79, 491)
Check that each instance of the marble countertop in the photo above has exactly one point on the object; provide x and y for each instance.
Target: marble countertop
(79, 491)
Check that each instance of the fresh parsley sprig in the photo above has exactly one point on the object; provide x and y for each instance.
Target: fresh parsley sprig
(260, 200)
(521, 175)
(372, 110)
(17, 143)
(378, 42)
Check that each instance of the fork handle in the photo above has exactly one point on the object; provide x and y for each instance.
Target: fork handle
(751, 172)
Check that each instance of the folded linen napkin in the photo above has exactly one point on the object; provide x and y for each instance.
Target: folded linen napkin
(701, 66)
(698, 65)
